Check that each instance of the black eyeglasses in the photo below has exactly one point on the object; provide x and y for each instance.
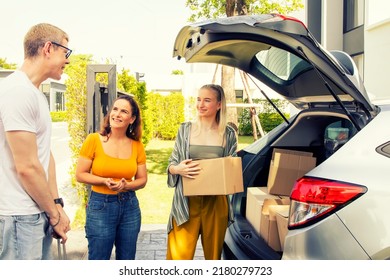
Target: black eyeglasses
(68, 51)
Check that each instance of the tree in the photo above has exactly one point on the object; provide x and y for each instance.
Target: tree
(207, 9)
(130, 84)
(5, 65)
(177, 72)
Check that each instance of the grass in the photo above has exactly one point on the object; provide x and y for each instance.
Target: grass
(156, 198)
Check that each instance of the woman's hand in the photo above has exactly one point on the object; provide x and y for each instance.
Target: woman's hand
(117, 185)
(108, 182)
(187, 168)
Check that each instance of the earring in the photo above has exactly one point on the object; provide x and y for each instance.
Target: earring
(130, 128)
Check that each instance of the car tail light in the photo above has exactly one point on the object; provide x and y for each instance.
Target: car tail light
(313, 199)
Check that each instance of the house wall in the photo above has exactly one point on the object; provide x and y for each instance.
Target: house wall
(369, 44)
(377, 48)
(50, 88)
(332, 24)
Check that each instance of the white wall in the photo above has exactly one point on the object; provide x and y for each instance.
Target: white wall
(332, 24)
(377, 48)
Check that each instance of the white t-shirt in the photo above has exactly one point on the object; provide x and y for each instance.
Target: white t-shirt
(22, 107)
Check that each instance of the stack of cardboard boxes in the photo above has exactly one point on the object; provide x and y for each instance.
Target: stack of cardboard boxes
(267, 208)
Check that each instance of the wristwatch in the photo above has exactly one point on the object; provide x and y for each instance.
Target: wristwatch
(59, 201)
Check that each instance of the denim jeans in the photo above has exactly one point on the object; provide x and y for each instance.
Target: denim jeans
(112, 220)
(25, 237)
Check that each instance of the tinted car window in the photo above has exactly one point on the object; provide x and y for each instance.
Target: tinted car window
(282, 64)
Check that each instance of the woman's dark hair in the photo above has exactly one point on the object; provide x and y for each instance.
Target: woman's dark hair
(134, 130)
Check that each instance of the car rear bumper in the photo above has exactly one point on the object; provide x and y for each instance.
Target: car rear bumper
(326, 240)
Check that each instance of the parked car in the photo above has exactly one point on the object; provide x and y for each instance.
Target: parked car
(339, 209)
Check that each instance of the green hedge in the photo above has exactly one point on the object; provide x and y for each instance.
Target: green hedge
(268, 116)
(165, 120)
(59, 116)
(167, 113)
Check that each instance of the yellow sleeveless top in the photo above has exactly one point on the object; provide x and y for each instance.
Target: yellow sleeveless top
(109, 167)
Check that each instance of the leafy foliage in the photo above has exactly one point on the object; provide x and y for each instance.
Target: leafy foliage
(167, 113)
(177, 72)
(269, 118)
(130, 84)
(76, 104)
(206, 9)
(4, 64)
(59, 116)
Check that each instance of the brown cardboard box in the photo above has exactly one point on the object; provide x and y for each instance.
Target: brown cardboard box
(255, 197)
(286, 167)
(282, 222)
(268, 226)
(218, 176)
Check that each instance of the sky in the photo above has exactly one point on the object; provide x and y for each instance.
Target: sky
(133, 34)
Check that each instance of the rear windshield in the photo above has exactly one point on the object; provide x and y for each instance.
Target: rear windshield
(281, 64)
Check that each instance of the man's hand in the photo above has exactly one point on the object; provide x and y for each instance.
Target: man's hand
(60, 225)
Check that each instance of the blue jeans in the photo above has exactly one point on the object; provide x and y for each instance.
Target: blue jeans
(25, 237)
(112, 220)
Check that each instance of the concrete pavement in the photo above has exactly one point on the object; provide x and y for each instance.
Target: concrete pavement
(151, 244)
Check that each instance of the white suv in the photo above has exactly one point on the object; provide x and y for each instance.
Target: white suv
(339, 209)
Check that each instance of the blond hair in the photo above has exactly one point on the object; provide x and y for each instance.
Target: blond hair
(38, 35)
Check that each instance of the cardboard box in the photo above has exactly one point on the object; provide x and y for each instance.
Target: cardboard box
(268, 225)
(286, 167)
(255, 197)
(218, 176)
(282, 222)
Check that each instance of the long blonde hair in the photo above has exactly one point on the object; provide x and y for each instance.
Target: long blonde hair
(220, 117)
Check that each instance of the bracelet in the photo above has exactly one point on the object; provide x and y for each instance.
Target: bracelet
(59, 218)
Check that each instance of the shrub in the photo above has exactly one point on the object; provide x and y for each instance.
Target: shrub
(268, 116)
(167, 113)
(59, 116)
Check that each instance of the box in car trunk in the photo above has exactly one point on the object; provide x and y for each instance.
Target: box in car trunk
(268, 226)
(286, 167)
(281, 214)
(261, 209)
(254, 204)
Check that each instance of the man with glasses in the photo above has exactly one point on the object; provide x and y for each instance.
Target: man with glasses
(68, 51)
(30, 208)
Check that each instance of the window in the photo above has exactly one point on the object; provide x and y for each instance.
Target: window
(282, 64)
(353, 14)
(60, 102)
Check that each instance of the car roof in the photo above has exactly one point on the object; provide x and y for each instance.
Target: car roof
(280, 52)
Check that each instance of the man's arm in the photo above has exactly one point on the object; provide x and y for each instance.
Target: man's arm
(54, 190)
(32, 175)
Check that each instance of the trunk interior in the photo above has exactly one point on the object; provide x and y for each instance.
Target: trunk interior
(307, 132)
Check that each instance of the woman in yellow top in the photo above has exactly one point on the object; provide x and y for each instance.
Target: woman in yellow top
(113, 162)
